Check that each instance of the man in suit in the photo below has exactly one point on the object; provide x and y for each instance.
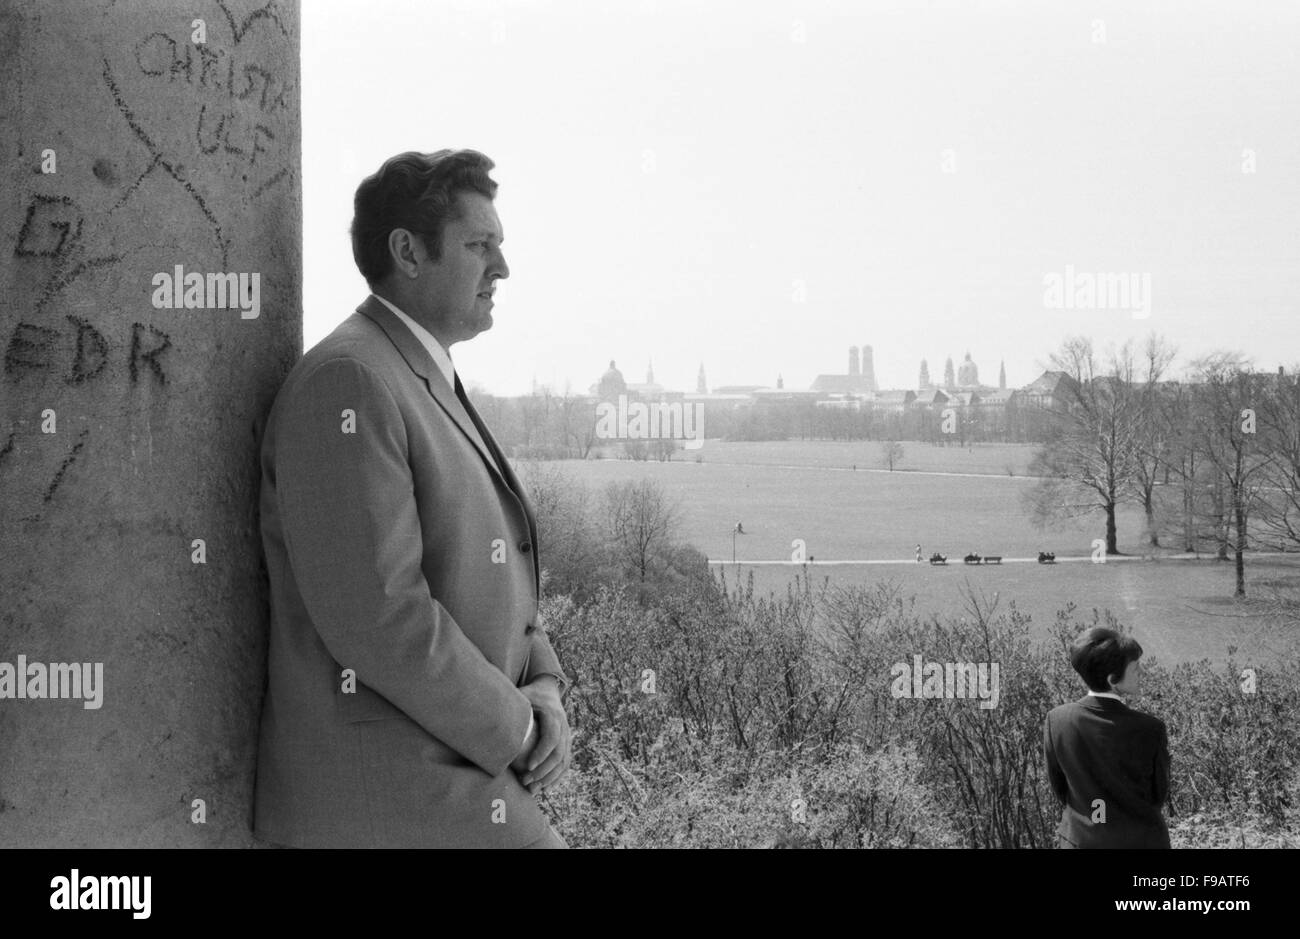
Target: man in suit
(1107, 763)
(412, 699)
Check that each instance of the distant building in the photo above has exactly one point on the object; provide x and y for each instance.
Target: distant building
(998, 410)
(1049, 390)
(611, 384)
(893, 400)
(931, 398)
(1002, 397)
(968, 375)
(649, 388)
(868, 368)
(855, 382)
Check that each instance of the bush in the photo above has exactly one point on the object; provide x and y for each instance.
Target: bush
(701, 713)
(700, 718)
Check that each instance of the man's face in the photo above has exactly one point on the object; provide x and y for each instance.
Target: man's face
(454, 292)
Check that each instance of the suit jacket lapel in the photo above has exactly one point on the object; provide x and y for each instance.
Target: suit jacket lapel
(417, 357)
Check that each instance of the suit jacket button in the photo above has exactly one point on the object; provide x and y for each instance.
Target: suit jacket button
(528, 629)
(525, 547)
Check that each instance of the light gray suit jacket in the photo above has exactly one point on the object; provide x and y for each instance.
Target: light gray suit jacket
(398, 550)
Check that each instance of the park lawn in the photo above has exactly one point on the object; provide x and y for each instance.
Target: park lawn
(846, 515)
(1180, 610)
(999, 459)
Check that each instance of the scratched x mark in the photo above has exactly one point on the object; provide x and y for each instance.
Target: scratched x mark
(237, 108)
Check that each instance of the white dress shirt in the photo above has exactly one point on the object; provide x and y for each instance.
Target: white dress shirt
(1106, 694)
(442, 358)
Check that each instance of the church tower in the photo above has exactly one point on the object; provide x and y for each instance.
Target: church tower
(868, 369)
(701, 387)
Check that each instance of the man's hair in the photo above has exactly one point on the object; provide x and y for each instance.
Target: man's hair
(1098, 653)
(418, 192)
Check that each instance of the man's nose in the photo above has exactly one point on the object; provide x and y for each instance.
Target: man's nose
(499, 266)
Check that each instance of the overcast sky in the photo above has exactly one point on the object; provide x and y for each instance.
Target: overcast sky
(759, 185)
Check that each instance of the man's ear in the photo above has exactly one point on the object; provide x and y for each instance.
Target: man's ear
(407, 251)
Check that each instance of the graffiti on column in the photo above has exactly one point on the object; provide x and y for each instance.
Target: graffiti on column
(227, 126)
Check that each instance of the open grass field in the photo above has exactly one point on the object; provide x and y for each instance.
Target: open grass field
(999, 459)
(1182, 610)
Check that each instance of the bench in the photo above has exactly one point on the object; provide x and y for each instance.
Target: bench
(938, 558)
(992, 559)
(1046, 557)
(971, 559)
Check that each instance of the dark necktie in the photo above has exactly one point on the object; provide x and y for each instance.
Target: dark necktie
(502, 466)
(483, 433)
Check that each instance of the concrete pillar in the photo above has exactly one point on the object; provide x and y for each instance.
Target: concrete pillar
(137, 140)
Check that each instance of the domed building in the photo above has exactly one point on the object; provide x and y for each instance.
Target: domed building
(611, 384)
(968, 375)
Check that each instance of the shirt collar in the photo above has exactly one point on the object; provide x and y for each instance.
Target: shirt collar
(1106, 694)
(441, 357)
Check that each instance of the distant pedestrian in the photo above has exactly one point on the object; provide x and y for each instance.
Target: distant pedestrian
(918, 554)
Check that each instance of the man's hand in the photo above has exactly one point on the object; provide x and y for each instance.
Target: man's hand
(546, 754)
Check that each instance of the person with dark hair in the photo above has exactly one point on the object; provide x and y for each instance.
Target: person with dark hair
(1107, 763)
(412, 699)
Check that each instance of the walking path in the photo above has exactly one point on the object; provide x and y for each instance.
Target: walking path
(957, 561)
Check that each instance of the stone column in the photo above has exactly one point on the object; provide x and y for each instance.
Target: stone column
(141, 140)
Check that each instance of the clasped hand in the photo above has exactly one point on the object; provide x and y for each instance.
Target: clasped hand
(546, 754)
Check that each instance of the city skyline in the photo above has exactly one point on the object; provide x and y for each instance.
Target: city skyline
(773, 182)
(988, 375)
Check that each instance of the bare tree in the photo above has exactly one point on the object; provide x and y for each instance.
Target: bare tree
(583, 425)
(1226, 430)
(891, 452)
(641, 521)
(1182, 458)
(663, 448)
(1152, 449)
(567, 539)
(1088, 459)
(1279, 436)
